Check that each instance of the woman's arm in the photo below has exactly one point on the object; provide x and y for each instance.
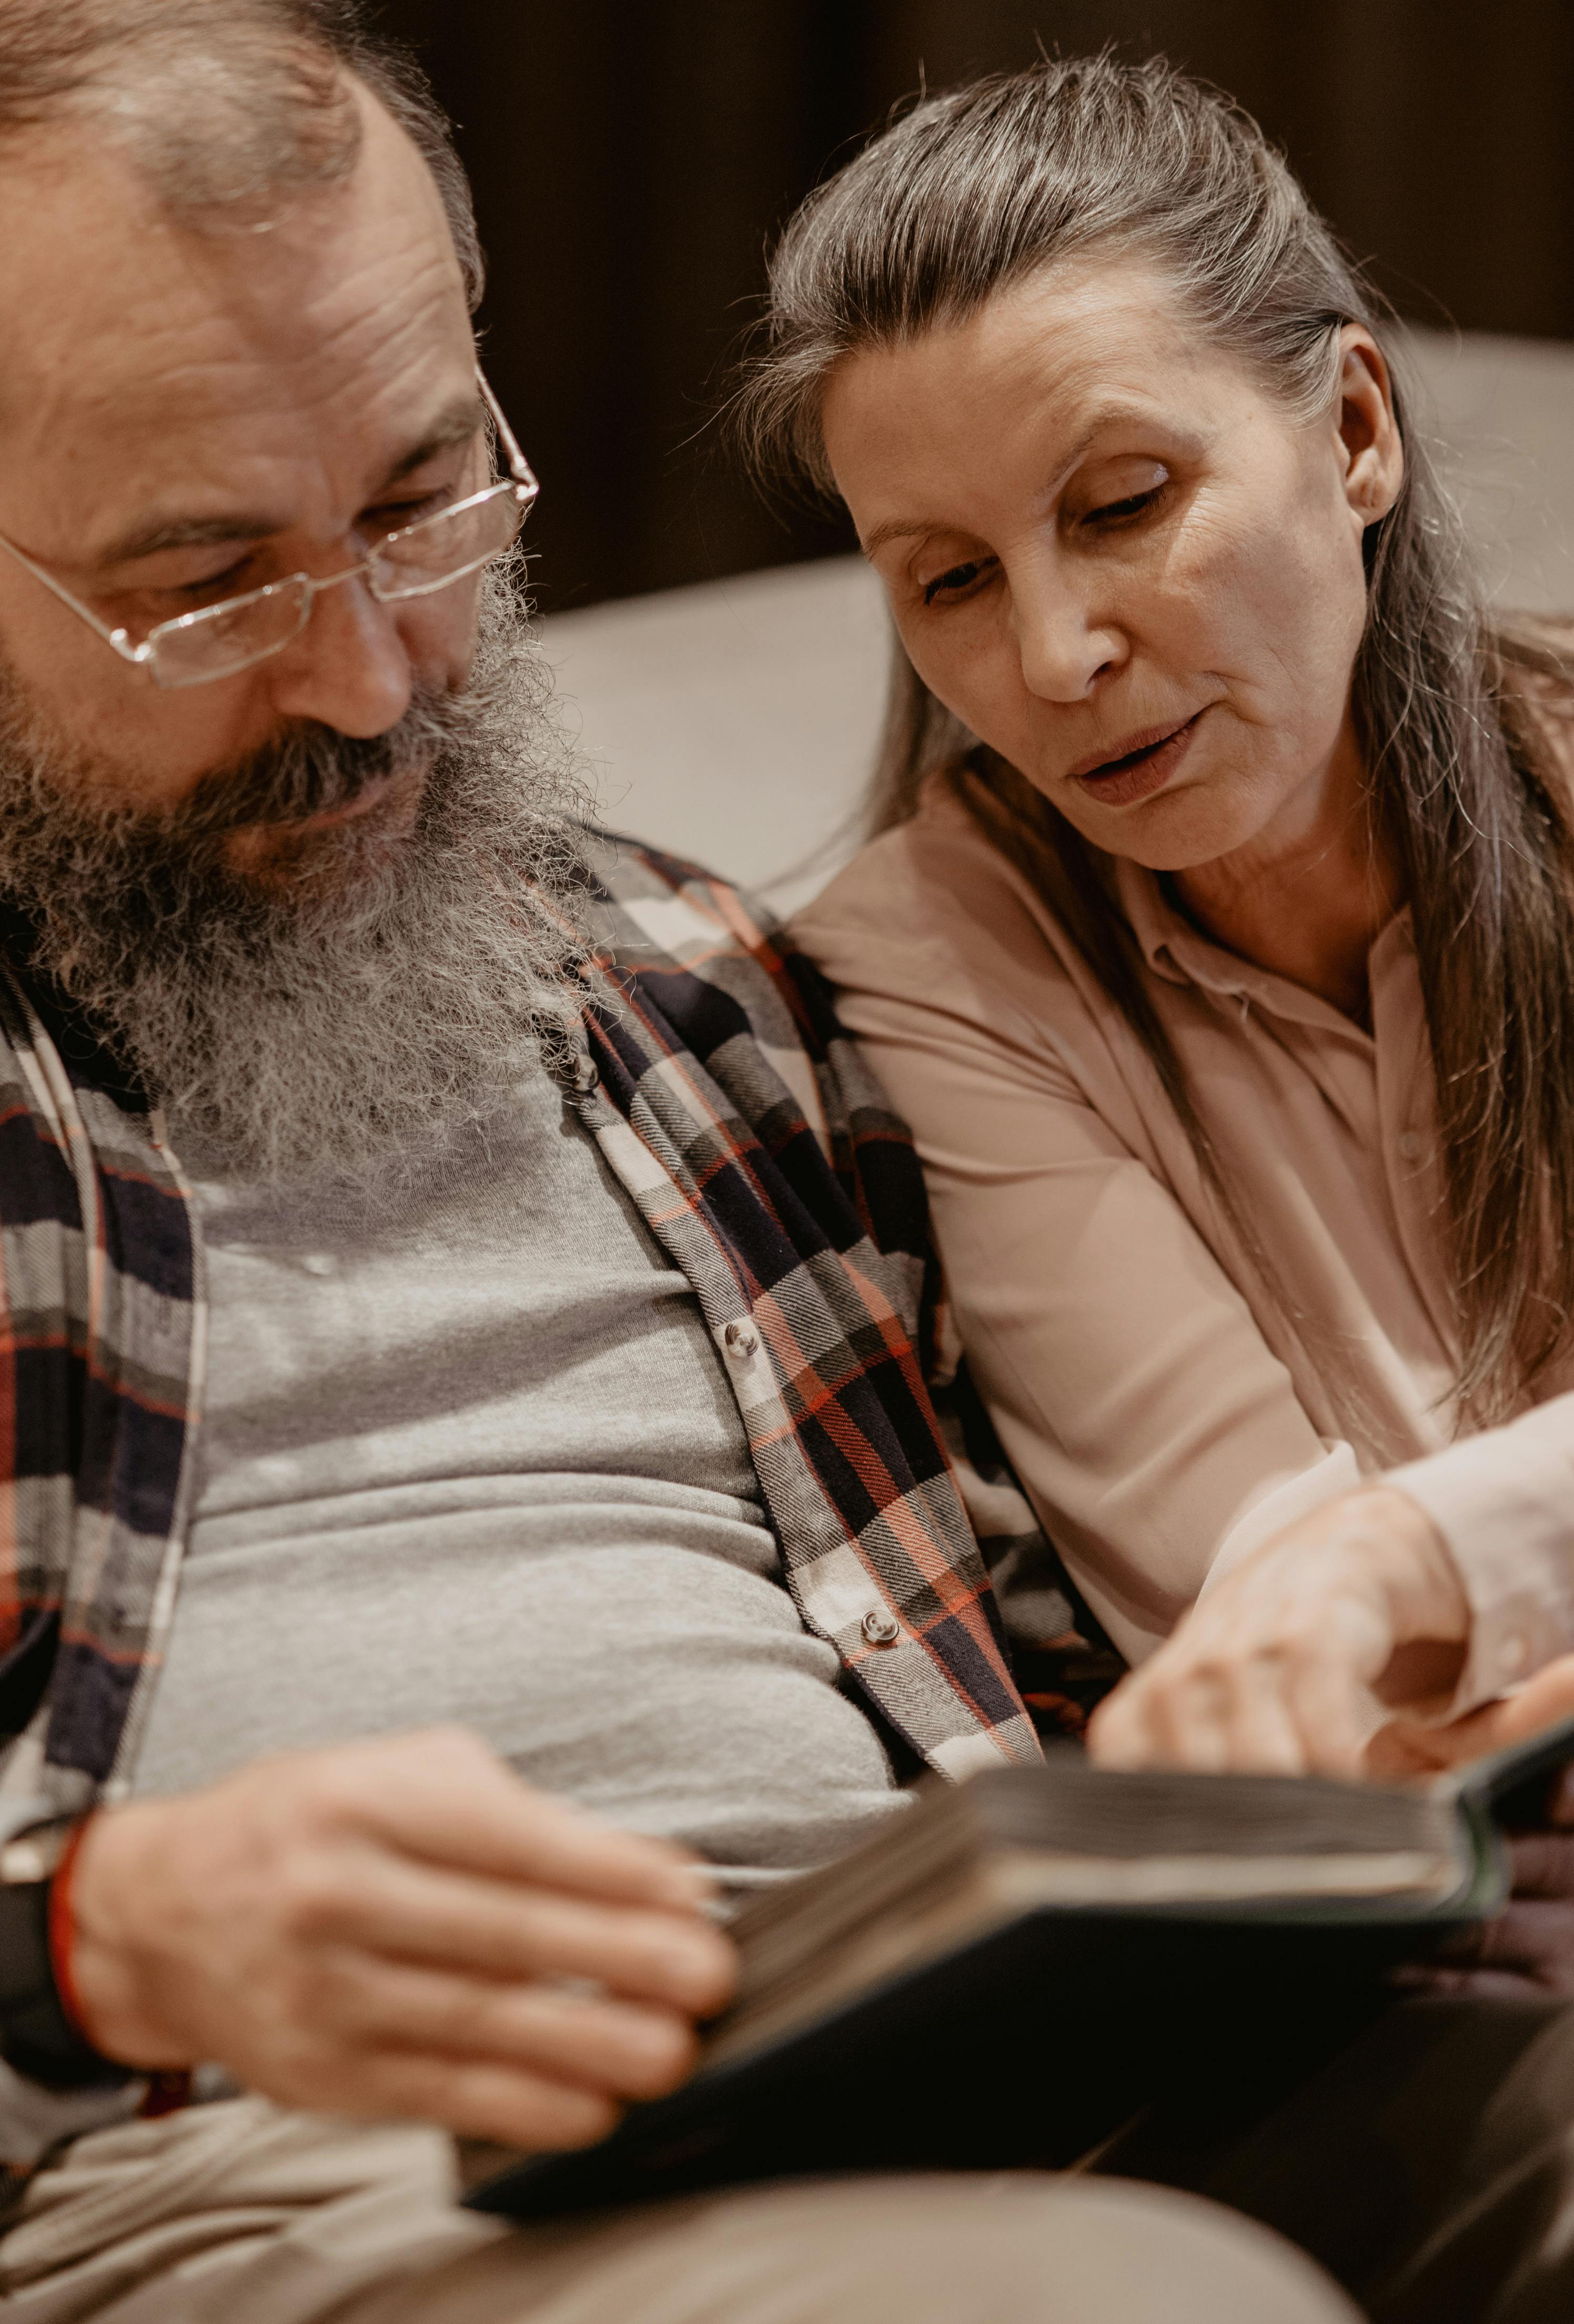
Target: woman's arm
(1429, 1593)
(1132, 1390)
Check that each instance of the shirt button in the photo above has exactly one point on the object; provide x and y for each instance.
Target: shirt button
(741, 1341)
(880, 1626)
(1411, 1145)
(586, 1076)
(1513, 1654)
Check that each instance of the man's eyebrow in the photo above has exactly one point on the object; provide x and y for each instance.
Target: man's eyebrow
(456, 425)
(147, 539)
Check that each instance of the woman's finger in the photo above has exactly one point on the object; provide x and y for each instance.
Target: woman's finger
(1264, 1734)
(1117, 1735)
(1333, 1715)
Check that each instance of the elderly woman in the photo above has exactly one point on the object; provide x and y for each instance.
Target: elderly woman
(1217, 936)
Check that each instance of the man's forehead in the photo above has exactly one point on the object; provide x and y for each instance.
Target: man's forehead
(144, 342)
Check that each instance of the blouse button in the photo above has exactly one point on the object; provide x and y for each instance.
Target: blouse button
(1513, 1654)
(1411, 1145)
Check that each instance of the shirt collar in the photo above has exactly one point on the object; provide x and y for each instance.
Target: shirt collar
(1179, 952)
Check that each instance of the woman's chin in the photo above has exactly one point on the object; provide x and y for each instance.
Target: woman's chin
(1174, 830)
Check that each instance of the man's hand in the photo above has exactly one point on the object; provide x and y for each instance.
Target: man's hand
(1276, 1668)
(399, 1929)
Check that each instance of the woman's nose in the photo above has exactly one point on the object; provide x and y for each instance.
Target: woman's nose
(1063, 646)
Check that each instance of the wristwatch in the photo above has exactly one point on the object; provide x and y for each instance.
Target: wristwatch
(37, 2036)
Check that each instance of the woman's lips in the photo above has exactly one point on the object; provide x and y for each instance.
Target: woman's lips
(1145, 766)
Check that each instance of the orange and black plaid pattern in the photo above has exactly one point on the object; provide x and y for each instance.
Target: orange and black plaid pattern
(762, 1152)
(744, 1122)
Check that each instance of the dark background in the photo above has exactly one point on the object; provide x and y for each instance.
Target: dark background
(631, 158)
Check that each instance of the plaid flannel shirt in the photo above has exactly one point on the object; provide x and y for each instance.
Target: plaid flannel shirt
(711, 1071)
(709, 1066)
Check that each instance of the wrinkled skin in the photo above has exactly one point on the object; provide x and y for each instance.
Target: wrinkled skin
(1095, 525)
(400, 1929)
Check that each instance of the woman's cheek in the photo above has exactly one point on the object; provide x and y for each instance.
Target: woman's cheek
(967, 668)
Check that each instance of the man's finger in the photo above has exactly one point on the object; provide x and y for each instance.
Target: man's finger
(474, 2098)
(388, 1906)
(444, 1796)
(614, 2047)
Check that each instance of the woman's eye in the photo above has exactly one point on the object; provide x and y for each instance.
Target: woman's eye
(1121, 512)
(957, 580)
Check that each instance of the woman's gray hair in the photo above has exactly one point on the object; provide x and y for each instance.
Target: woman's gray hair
(977, 189)
(228, 108)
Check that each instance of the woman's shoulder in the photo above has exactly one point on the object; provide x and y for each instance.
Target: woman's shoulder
(934, 898)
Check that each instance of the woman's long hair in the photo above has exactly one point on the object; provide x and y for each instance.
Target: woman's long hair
(975, 190)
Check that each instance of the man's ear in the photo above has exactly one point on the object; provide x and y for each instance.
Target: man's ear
(1371, 455)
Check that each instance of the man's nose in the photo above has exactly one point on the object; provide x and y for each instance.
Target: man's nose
(349, 668)
(1064, 642)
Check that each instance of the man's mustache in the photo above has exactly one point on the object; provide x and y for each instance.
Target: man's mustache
(311, 768)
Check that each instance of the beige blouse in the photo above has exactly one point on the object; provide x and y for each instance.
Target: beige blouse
(1162, 1416)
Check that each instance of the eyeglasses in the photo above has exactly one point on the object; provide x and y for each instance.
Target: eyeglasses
(416, 561)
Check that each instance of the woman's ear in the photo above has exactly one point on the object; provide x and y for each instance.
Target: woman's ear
(1366, 432)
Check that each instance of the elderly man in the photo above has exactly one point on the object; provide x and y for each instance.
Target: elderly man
(460, 1296)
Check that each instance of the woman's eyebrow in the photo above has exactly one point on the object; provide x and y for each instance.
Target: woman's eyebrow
(898, 528)
(151, 535)
(1105, 415)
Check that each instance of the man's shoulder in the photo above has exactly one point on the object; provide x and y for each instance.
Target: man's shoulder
(699, 969)
(652, 903)
(706, 948)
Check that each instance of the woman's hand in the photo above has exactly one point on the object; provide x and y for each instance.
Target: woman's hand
(1529, 1948)
(399, 1929)
(1402, 1750)
(1281, 1667)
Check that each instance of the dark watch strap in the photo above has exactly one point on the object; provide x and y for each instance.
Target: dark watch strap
(36, 2037)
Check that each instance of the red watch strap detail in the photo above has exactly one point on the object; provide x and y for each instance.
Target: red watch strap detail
(166, 2091)
(62, 1930)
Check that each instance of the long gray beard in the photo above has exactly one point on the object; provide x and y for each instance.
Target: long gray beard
(342, 1019)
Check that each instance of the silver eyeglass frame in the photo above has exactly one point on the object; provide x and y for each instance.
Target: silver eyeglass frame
(521, 485)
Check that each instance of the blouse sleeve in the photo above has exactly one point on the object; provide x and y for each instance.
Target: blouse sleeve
(1504, 1502)
(1142, 1410)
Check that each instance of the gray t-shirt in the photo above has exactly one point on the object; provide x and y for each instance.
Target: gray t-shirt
(470, 1455)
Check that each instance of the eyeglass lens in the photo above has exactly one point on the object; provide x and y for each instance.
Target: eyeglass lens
(412, 563)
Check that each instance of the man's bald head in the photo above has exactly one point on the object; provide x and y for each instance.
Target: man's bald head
(228, 108)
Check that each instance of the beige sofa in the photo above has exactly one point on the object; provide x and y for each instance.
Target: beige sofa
(735, 721)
